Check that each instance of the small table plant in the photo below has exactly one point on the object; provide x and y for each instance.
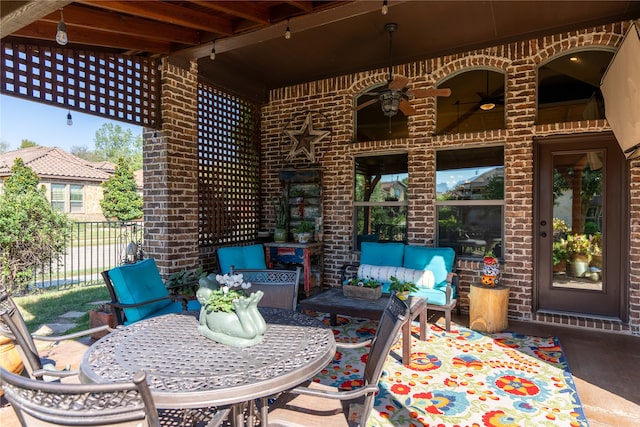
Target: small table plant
(402, 288)
(363, 288)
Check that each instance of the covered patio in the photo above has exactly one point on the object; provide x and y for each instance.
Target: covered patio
(230, 102)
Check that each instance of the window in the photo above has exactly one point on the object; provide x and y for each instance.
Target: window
(569, 87)
(76, 198)
(380, 200)
(58, 192)
(371, 123)
(470, 200)
(476, 103)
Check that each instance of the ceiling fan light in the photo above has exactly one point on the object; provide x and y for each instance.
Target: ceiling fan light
(390, 102)
(487, 106)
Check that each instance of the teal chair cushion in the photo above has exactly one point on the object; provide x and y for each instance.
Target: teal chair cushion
(438, 260)
(241, 258)
(433, 296)
(139, 282)
(389, 254)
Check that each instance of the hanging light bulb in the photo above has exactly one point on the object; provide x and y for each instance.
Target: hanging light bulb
(385, 8)
(69, 119)
(212, 55)
(61, 34)
(287, 32)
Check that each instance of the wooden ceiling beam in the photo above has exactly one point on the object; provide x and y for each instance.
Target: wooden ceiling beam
(26, 14)
(251, 11)
(47, 31)
(166, 12)
(83, 17)
(306, 6)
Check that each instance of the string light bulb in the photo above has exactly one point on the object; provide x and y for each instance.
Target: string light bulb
(69, 119)
(212, 55)
(287, 32)
(61, 34)
(385, 7)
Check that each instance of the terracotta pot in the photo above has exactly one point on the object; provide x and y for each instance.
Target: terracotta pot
(9, 357)
(100, 318)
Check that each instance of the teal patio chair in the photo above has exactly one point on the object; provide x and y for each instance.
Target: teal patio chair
(250, 257)
(138, 292)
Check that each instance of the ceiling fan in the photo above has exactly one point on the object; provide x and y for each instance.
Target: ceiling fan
(396, 95)
(489, 101)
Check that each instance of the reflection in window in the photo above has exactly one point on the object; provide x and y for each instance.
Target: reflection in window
(476, 103)
(381, 198)
(470, 200)
(372, 124)
(58, 197)
(569, 87)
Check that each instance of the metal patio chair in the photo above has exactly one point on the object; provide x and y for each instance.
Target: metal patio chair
(38, 403)
(280, 287)
(320, 405)
(13, 326)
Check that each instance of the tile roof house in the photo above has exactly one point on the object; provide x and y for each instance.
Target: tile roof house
(72, 184)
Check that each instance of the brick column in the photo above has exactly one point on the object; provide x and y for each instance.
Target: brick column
(170, 162)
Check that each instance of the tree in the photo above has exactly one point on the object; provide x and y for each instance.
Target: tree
(4, 147)
(121, 199)
(113, 143)
(26, 143)
(32, 233)
(84, 153)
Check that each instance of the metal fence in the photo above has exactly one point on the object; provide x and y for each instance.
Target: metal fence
(92, 247)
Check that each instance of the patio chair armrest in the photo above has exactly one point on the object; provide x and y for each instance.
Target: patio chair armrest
(55, 373)
(74, 335)
(119, 305)
(341, 395)
(347, 271)
(354, 344)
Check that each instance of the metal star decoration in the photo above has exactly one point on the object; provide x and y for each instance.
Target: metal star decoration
(304, 139)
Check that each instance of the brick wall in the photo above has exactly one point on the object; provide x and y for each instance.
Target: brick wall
(170, 161)
(519, 61)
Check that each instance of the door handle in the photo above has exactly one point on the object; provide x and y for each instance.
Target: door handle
(543, 234)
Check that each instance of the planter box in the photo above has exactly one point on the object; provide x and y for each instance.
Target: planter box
(361, 292)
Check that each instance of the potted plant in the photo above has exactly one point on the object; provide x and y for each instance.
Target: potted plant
(184, 282)
(560, 256)
(304, 231)
(99, 316)
(281, 210)
(402, 288)
(578, 250)
(362, 288)
(595, 250)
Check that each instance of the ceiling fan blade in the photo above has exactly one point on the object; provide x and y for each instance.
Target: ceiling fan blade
(421, 93)
(366, 104)
(406, 108)
(398, 83)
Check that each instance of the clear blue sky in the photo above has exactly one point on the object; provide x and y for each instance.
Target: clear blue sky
(46, 125)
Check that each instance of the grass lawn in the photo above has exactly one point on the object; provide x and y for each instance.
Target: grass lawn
(46, 306)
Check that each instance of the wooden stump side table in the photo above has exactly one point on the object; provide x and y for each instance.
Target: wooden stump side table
(488, 308)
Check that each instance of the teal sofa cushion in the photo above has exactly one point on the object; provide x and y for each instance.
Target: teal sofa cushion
(139, 282)
(389, 254)
(241, 258)
(438, 260)
(434, 296)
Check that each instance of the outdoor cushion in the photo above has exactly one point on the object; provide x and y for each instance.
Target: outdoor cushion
(383, 274)
(139, 282)
(382, 253)
(437, 260)
(241, 258)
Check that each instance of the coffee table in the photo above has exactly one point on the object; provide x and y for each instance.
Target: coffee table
(332, 301)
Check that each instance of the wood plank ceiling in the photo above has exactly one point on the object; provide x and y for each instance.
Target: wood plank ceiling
(329, 38)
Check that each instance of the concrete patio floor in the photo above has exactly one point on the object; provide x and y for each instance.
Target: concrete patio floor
(605, 367)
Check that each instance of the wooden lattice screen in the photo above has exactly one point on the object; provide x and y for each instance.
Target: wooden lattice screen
(229, 167)
(124, 88)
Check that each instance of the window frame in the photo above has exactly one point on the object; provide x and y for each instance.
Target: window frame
(77, 204)
(386, 204)
(471, 203)
(55, 203)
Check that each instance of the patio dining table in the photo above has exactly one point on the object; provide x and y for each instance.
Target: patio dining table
(186, 370)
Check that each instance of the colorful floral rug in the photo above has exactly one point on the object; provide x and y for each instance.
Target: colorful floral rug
(463, 379)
